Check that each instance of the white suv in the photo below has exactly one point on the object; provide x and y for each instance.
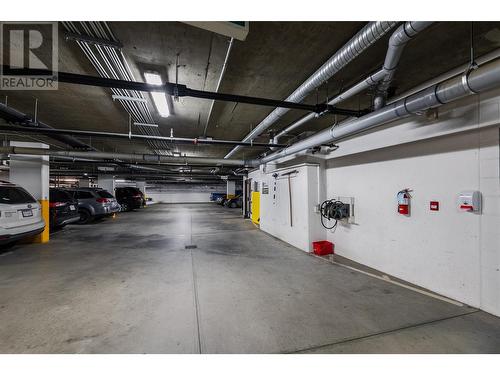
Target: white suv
(20, 214)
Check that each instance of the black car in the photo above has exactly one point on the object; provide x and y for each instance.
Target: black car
(130, 198)
(63, 208)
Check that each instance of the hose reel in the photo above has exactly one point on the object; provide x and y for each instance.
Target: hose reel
(333, 210)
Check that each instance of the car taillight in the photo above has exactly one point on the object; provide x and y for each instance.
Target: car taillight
(56, 204)
(102, 200)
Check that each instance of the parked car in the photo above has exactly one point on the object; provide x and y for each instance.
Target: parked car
(94, 203)
(234, 202)
(215, 196)
(130, 198)
(221, 200)
(63, 208)
(20, 214)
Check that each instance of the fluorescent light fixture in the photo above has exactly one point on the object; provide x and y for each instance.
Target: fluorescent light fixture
(159, 98)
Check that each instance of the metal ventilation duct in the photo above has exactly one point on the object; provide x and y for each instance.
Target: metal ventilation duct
(368, 35)
(472, 82)
(383, 77)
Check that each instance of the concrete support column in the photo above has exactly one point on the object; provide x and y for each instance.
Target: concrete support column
(107, 182)
(83, 182)
(141, 185)
(32, 173)
(231, 188)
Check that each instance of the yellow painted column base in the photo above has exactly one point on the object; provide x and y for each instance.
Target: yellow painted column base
(45, 235)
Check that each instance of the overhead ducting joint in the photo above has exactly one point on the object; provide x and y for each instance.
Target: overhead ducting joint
(397, 42)
(368, 35)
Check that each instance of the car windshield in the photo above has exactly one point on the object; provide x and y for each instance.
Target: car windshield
(15, 195)
(104, 194)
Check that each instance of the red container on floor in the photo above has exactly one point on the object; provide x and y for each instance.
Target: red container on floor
(322, 247)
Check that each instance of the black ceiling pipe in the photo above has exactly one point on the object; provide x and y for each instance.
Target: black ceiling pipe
(173, 89)
(177, 140)
(27, 123)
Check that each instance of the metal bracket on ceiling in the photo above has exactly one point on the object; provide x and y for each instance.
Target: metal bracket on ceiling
(345, 112)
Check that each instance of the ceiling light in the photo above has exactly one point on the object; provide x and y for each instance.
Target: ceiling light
(159, 98)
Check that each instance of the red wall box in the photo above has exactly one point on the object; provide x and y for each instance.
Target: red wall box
(323, 247)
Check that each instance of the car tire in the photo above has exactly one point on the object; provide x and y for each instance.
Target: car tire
(125, 207)
(233, 204)
(85, 216)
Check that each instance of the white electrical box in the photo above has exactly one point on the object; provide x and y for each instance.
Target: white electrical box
(469, 201)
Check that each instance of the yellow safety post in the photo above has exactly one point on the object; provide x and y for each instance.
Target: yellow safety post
(255, 207)
(45, 235)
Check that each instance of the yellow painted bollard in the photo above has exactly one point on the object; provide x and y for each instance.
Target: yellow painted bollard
(45, 235)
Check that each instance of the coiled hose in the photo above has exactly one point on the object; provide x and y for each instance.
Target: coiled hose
(331, 210)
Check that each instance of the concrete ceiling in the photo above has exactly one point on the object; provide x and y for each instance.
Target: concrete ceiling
(274, 59)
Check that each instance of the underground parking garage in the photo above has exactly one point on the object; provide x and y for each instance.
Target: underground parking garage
(218, 187)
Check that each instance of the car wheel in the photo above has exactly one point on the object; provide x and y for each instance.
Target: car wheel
(85, 217)
(233, 204)
(125, 207)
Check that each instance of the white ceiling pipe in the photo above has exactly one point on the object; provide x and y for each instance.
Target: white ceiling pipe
(397, 42)
(360, 86)
(368, 35)
(377, 76)
(121, 156)
(482, 79)
(450, 74)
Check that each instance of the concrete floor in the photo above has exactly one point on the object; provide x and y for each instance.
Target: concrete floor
(128, 285)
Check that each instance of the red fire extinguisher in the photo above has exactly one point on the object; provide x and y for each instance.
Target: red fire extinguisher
(404, 202)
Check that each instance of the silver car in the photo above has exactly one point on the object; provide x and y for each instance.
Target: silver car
(94, 203)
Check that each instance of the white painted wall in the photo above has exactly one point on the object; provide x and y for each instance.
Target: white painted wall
(106, 182)
(30, 171)
(230, 187)
(179, 197)
(179, 193)
(454, 253)
(305, 185)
